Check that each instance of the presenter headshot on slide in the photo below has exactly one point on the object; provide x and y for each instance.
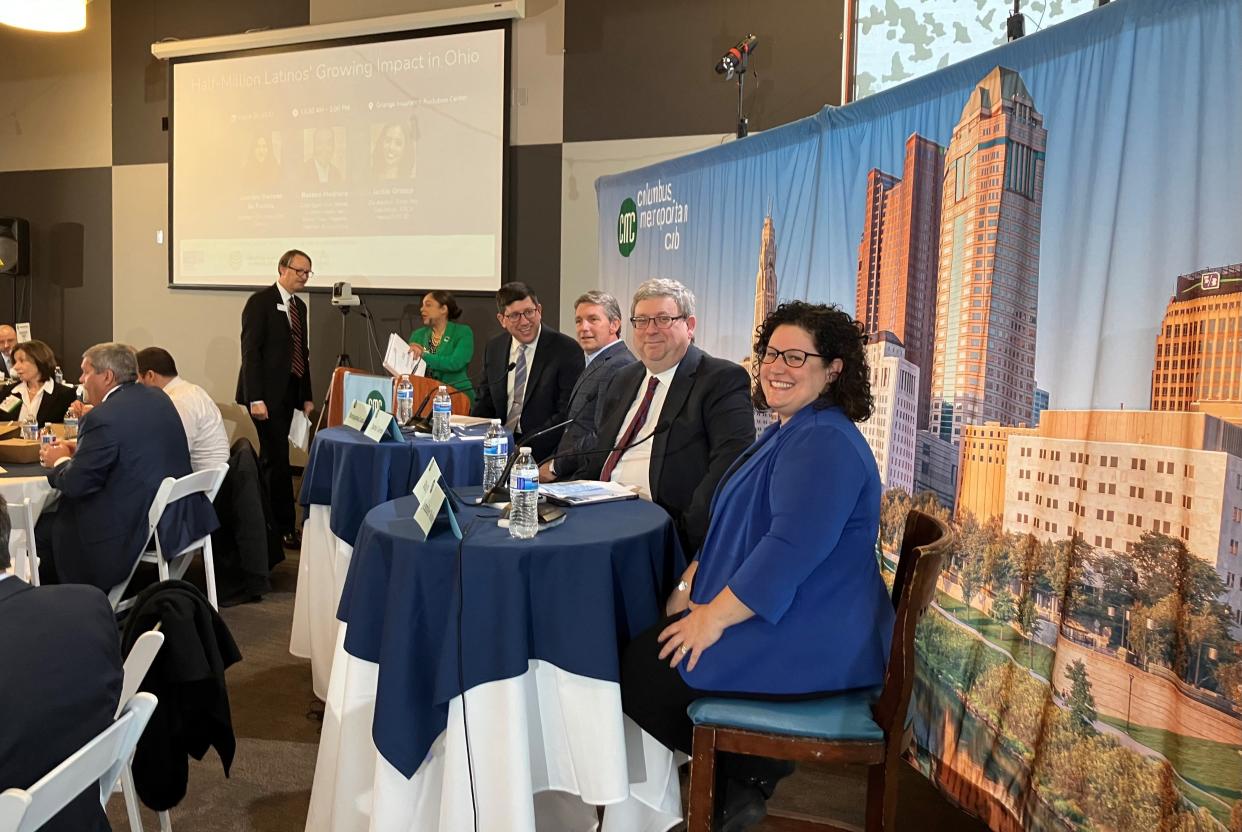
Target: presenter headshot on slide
(392, 156)
(275, 377)
(319, 167)
(261, 167)
(444, 344)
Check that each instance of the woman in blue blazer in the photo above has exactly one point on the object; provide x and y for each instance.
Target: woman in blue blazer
(785, 599)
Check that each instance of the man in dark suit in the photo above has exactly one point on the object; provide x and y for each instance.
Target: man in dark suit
(127, 444)
(597, 323)
(275, 380)
(62, 682)
(8, 340)
(528, 372)
(698, 408)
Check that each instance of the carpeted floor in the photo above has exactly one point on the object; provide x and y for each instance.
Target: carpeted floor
(276, 718)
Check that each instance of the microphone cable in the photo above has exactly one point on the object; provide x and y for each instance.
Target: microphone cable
(461, 661)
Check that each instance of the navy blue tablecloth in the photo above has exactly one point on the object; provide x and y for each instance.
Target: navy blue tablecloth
(353, 473)
(573, 596)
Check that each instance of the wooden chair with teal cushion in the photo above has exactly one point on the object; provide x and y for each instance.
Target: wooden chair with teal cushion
(854, 728)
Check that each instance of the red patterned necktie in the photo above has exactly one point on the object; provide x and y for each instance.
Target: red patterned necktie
(636, 425)
(295, 331)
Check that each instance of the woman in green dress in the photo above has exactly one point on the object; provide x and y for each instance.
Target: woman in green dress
(447, 347)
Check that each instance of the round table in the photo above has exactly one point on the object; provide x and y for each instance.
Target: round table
(346, 476)
(24, 481)
(542, 623)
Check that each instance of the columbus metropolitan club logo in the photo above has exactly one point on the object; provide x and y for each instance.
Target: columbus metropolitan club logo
(627, 227)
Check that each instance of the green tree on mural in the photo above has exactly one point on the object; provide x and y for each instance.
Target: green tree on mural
(1003, 607)
(1081, 702)
(1229, 680)
(894, 506)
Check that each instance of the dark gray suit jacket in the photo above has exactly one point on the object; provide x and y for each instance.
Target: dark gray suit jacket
(586, 406)
(706, 422)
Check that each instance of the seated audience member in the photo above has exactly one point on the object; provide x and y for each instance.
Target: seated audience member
(61, 661)
(35, 396)
(528, 371)
(444, 344)
(597, 323)
(785, 600)
(204, 426)
(127, 444)
(698, 408)
(8, 340)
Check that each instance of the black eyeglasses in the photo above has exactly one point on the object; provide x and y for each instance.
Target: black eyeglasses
(660, 321)
(307, 273)
(792, 358)
(514, 317)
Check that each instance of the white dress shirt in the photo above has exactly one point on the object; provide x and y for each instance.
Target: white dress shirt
(204, 427)
(591, 356)
(634, 467)
(30, 405)
(514, 345)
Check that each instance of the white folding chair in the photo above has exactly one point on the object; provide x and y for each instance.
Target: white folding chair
(26, 562)
(137, 663)
(100, 761)
(206, 481)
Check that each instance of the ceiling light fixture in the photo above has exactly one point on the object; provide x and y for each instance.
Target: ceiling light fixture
(44, 15)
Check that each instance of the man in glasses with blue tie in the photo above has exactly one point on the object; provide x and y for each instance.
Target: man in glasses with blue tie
(528, 371)
(677, 418)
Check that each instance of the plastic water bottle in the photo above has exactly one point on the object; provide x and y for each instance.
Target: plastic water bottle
(60, 376)
(524, 496)
(405, 400)
(441, 409)
(29, 429)
(495, 454)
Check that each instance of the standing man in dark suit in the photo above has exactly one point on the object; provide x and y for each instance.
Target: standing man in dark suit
(697, 406)
(129, 441)
(528, 372)
(275, 378)
(597, 323)
(62, 681)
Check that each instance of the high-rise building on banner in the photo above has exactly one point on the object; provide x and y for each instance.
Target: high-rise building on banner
(1041, 404)
(1109, 476)
(981, 475)
(891, 429)
(935, 467)
(1199, 345)
(897, 257)
(987, 286)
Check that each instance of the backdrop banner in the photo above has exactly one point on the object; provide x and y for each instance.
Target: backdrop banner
(1044, 244)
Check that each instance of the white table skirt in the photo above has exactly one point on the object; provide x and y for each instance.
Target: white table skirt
(322, 566)
(547, 747)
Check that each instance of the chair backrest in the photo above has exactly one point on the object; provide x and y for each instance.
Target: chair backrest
(238, 424)
(137, 663)
(206, 481)
(22, 518)
(923, 549)
(99, 762)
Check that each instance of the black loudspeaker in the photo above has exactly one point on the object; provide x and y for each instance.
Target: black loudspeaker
(14, 246)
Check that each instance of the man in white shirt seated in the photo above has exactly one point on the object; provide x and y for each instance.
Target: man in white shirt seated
(204, 427)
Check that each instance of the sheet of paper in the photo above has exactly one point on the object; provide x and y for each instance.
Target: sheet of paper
(357, 415)
(378, 426)
(299, 430)
(430, 497)
(399, 361)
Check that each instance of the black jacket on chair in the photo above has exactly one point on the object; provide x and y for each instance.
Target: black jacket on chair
(60, 681)
(557, 363)
(52, 407)
(188, 678)
(710, 422)
(267, 351)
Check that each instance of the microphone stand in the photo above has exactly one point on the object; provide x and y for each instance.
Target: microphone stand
(743, 124)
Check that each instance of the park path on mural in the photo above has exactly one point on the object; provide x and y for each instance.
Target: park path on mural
(1103, 727)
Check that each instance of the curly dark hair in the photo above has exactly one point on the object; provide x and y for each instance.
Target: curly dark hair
(836, 335)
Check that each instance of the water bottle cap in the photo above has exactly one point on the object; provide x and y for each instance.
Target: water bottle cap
(524, 449)
(443, 389)
(495, 421)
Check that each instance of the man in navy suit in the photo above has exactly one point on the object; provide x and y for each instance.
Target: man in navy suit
(62, 679)
(528, 372)
(127, 444)
(597, 323)
(683, 415)
(274, 379)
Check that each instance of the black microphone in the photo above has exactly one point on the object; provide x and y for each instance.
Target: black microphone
(424, 424)
(493, 494)
(731, 61)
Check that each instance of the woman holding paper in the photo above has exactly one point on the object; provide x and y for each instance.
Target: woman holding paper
(35, 396)
(445, 345)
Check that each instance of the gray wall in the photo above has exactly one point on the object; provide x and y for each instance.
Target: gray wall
(83, 154)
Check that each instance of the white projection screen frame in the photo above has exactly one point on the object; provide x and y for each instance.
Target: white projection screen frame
(383, 159)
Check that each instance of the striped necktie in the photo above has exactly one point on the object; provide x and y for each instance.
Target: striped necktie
(519, 391)
(636, 424)
(295, 332)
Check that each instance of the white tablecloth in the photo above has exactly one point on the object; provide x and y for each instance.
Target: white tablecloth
(323, 563)
(547, 747)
